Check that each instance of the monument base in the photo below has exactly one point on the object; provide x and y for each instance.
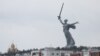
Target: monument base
(73, 48)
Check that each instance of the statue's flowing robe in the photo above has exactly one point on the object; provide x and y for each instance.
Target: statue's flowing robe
(70, 40)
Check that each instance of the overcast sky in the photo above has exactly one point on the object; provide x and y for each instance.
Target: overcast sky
(34, 24)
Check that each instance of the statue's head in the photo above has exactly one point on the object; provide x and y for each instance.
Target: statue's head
(65, 20)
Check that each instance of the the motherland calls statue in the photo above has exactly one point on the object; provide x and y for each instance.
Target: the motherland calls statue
(66, 27)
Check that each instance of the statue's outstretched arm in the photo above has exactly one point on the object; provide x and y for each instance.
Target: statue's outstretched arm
(74, 23)
(59, 18)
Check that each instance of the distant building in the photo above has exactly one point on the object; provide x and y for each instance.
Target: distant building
(50, 51)
(62, 52)
(12, 49)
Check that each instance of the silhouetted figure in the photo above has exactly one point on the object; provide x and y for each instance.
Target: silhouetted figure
(66, 27)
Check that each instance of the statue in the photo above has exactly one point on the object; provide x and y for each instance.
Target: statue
(66, 27)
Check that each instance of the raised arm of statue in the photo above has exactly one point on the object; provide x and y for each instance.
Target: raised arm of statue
(59, 18)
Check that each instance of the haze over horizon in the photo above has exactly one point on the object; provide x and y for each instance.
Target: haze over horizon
(34, 24)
